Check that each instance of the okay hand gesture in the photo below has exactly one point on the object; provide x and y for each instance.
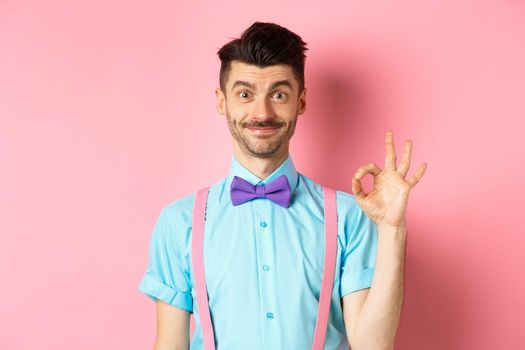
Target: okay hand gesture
(386, 203)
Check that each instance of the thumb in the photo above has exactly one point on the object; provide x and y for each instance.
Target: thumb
(357, 189)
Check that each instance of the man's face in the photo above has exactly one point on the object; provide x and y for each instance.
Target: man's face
(262, 106)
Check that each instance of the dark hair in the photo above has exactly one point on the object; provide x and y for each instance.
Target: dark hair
(264, 44)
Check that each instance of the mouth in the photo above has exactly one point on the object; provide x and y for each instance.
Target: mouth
(263, 131)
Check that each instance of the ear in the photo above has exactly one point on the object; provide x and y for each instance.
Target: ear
(221, 101)
(302, 102)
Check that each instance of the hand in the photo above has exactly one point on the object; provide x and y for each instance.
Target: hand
(386, 203)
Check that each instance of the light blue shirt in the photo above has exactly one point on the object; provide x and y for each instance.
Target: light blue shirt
(263, 263)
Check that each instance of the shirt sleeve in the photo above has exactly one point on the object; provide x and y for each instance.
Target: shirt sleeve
(359, 254)
(165, 277)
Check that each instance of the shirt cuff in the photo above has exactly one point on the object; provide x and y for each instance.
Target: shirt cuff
(360, 280)
(155, 289)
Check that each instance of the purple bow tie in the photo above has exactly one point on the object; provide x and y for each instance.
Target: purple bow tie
(277, 191)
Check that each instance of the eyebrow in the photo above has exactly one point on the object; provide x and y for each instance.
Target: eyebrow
(273, 86)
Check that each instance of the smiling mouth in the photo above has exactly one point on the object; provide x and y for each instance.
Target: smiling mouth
(263, 131)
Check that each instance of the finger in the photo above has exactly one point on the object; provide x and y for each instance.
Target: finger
(371, 168)
(405, 159)
(390, 157)
(357, 186)
(417, 176)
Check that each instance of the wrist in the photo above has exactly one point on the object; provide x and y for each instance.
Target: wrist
(400, 227)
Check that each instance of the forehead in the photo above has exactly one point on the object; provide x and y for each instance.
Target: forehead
(261, 77)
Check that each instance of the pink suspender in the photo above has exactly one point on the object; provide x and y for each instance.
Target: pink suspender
(197, 240)
(330, 216)
(330, 229)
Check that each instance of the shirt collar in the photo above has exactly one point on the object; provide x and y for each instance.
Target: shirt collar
(286, 168)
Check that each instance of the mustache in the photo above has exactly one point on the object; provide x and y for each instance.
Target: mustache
(263, 124)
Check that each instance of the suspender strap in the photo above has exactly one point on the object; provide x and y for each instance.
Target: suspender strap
(325, 297)
(330, 256)
(197, 242)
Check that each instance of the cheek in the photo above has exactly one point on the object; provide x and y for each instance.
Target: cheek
(287, 111)
(238, 112)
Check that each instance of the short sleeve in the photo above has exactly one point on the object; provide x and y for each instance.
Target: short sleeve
(165, 277)
(359, 253)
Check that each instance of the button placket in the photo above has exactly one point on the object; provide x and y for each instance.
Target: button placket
(266, 258)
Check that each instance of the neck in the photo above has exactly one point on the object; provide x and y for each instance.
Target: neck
(262, 167)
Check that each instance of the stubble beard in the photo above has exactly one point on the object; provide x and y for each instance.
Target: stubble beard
(262, 147)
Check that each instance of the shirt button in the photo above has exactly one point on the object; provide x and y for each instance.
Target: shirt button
(269, 315)
(263, 224)
(266, 267)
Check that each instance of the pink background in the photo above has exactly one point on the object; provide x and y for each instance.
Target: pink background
(107, 114)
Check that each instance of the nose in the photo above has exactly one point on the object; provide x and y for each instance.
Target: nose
(261, 109)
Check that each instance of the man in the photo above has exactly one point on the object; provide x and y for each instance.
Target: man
(264, 258)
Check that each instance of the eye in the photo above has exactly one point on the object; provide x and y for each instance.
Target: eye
(243, 94)
(280, 95)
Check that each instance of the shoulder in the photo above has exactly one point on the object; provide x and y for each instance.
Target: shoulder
(180, 210)
(346, 201)
(355, 227)
(349, 213)
(349, 210)
(173, 224)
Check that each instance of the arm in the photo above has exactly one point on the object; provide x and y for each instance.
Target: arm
(173, 327)
(166, 281)
(376, 324)
(372, 315)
